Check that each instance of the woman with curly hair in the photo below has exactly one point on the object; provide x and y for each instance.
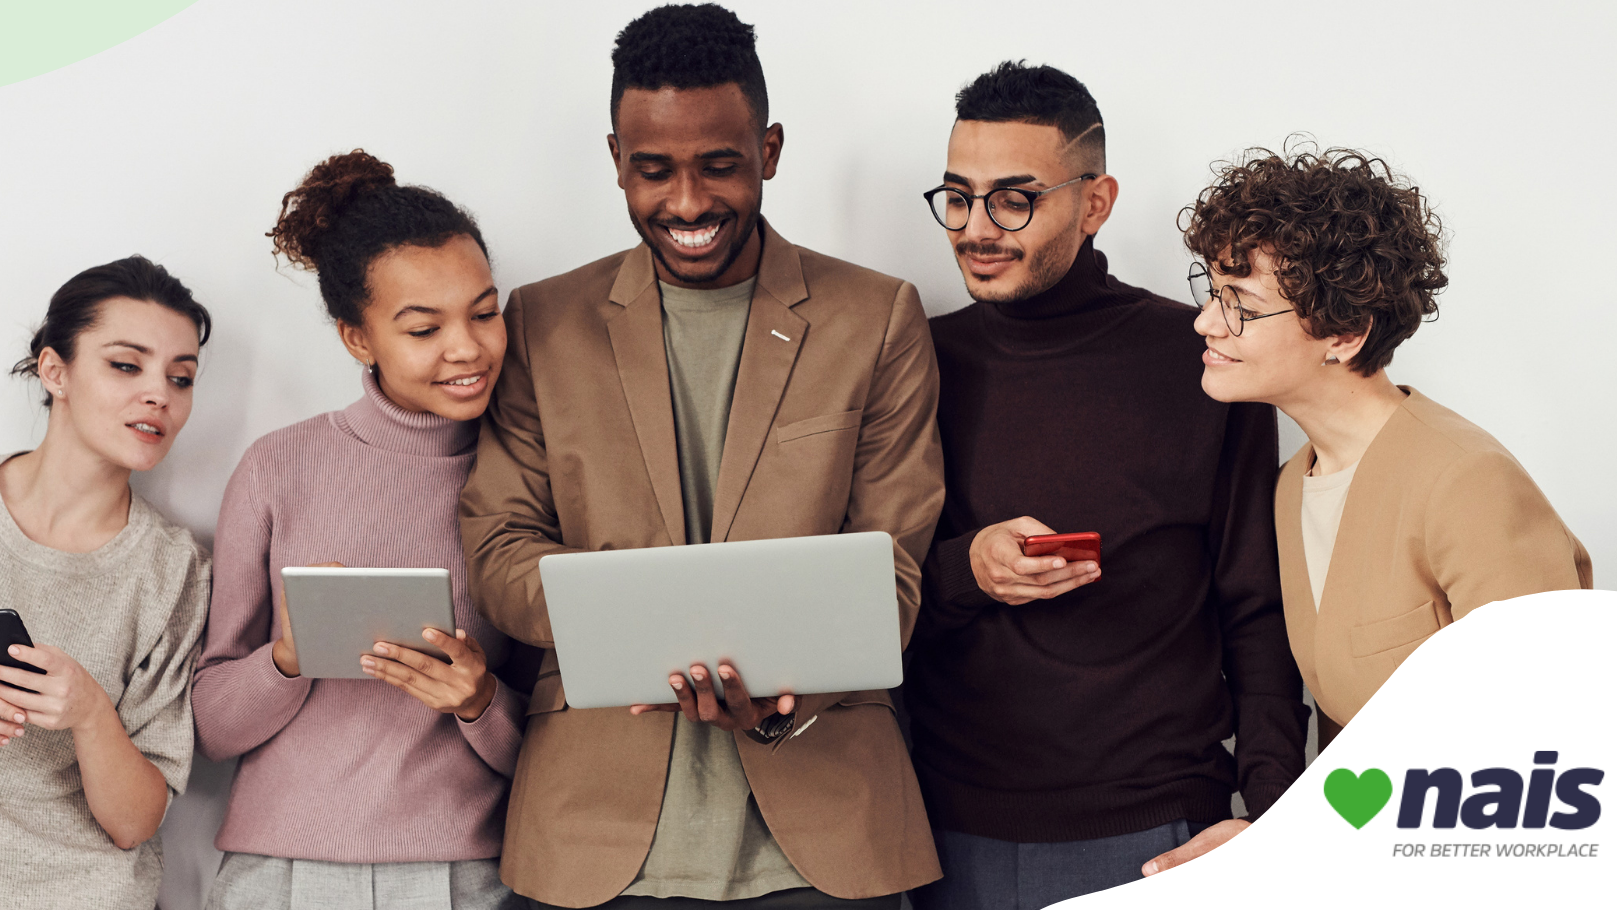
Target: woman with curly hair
(1398, 516)
(354, 794)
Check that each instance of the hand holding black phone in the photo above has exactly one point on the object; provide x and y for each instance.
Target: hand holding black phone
(13, 632)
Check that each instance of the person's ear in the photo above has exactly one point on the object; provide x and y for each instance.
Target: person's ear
(1345, 347)
(1099, 196)
(357, 341)
(52, 370)
(774, 139)
(617, 157)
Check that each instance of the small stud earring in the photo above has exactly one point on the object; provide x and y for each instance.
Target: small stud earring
(1330, 359)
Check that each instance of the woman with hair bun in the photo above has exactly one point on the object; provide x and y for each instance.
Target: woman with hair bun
(95, 722)
(389, 791)
(1398, 516)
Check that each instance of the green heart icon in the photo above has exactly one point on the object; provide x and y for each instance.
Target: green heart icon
(1358, 797)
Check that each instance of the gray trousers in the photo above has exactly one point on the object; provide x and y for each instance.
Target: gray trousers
(980, 873)
(789, 899)
(247, 880)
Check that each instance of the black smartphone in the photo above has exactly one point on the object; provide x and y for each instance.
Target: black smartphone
(13, 632)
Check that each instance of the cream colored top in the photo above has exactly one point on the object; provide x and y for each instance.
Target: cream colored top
(131, 613)
(1323, 499)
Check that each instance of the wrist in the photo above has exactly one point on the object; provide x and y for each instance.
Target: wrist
(285, 659)
(100, 720)
(473, 710)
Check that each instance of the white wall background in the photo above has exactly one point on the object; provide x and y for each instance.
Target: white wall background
(179, 143)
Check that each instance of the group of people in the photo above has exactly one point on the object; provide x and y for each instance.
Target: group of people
(1066, 725)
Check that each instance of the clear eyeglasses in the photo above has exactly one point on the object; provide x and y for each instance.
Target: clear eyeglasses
(1009, 207)
(1236, 316)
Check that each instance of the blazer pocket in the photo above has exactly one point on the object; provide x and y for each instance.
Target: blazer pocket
(868, 697)
(830, 423)
(1409, 628)
(548, 695)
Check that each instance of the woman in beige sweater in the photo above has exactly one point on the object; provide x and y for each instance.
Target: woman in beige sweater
(113, 595)
(1398, 516)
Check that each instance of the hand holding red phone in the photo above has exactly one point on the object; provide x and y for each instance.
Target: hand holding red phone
(1004, 573)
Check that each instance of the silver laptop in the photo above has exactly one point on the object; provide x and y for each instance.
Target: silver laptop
(795, 614)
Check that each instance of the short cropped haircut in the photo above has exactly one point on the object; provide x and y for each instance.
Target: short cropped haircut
(689, 46)
(1043, 95)
(1356, 246)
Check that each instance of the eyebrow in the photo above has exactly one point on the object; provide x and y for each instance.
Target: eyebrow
(659, 157)
(1015, 180)
(434, 311)
(183, 358)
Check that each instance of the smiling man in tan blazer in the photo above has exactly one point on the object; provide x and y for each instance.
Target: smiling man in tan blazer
(714, 383)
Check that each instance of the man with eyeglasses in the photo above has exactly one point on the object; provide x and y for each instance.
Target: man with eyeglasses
(1068, 720)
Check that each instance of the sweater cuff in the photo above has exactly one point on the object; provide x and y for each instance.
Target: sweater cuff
(1259, 799)
(496, 734)
(956, 583)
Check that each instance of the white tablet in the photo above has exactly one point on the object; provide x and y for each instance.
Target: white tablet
(799, 614)
(337, 615)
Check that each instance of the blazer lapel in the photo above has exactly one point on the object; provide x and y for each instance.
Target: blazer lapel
(774, 336)
(637, 345)
(1302, 614)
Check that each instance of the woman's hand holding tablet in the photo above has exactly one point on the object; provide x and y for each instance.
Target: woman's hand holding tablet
(448, 674)
(463, 687)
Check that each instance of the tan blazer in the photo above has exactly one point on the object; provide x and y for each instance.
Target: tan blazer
(1440, 520)
(832, 429)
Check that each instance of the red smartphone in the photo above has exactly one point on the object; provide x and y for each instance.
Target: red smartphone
(1084, 546)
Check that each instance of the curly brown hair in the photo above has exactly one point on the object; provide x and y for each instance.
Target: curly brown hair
(348, 211)
(1356, 247)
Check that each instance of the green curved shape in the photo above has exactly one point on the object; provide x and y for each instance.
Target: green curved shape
(37, 36)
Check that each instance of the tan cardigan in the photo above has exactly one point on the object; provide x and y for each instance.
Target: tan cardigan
(832, 429)
(1439, 521)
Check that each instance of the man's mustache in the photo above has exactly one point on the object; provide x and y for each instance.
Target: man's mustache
(968, 248)
(680, 224)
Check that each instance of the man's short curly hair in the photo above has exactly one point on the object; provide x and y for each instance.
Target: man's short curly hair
(689, 46)
(1354, 245)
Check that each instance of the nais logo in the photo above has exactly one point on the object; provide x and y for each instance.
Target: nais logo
(1500, 798)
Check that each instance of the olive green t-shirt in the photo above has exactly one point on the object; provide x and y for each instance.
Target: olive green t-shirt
(711, 841)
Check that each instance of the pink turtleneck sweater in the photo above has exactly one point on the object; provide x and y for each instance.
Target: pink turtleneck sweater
(348, 770)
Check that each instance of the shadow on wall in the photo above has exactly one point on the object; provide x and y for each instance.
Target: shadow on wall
(190, 861)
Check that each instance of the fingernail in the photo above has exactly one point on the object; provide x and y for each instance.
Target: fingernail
(381, 648)
(698, 675)
(1060, 563)
(19, 718)
(367, 663)
(724, 673)
(1151, 868)
(16, 651)
(677, 684)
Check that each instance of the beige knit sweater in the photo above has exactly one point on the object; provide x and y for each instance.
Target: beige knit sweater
(131, 612)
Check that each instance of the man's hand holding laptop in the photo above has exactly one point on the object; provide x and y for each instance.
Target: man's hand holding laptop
(699, 702)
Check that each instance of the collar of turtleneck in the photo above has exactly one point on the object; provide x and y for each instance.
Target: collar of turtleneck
(1049, 319)
(376, 421)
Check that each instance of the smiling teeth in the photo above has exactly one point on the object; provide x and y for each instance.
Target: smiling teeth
(147, 428)
(694, 238)
(470, 380)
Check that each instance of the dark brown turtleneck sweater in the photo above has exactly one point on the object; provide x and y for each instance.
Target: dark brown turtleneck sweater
(1102, 711)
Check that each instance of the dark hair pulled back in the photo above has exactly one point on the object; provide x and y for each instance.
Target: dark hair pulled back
(76, 307)
(348, 211)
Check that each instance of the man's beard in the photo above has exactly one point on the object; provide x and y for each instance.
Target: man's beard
(730, 256)
(1047, 267)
